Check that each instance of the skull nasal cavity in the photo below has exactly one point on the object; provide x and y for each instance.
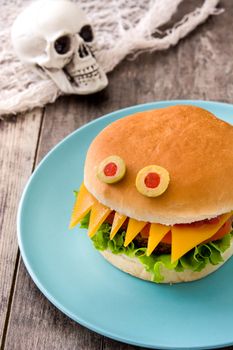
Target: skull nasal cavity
(86, 33)
(62, 45)
(83, 51)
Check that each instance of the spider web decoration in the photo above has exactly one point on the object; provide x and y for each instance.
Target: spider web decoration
(122, 28)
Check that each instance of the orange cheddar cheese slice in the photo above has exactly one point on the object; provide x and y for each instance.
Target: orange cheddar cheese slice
(82, 206)
(185, 237)
(118, 221)
(156, 234)
(134, 227)
(98, 215)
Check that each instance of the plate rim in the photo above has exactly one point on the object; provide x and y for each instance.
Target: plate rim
(33, 275)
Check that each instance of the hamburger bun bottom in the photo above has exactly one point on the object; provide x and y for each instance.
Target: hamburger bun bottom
(135, 268)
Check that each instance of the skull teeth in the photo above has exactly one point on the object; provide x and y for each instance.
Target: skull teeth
(88, 78)
(86, 70)
(87, 75)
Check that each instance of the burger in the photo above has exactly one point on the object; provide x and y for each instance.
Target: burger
(157, 195)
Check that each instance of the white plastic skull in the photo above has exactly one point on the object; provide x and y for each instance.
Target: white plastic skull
(57, 36)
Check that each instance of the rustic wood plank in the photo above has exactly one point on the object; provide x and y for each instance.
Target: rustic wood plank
(18, 142)
(200, 67)
(63, 333)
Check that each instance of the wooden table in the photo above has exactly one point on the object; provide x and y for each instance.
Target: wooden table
(200, 67)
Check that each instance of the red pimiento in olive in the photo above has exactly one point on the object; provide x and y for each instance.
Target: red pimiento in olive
(152, 180)
(111, 170)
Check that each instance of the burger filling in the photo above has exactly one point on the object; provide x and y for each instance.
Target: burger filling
(196, 259)
(178, 247)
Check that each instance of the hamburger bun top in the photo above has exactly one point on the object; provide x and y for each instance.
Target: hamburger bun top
(194, 146)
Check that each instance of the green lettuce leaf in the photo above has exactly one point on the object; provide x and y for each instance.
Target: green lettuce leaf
(85, 221)
(195, 260)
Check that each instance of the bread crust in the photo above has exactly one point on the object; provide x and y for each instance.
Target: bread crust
(135, 268)
(191, 143)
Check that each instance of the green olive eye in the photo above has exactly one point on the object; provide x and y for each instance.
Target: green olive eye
(152, 180)
(111, 170)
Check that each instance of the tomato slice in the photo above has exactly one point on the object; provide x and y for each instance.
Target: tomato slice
(145, 231)
(145, 234)
(225, 229)
(202, 222)
(168, 238)
(110, 217)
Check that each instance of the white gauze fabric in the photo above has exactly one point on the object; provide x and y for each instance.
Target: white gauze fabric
(122, 28)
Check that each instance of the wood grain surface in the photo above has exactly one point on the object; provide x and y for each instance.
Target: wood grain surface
(200, 67)
(18, 143)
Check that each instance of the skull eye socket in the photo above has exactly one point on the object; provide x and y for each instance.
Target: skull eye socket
(152, 180)
(86, 33)
(62, 45)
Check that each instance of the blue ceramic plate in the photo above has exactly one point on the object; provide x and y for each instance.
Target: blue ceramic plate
(78, 281)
